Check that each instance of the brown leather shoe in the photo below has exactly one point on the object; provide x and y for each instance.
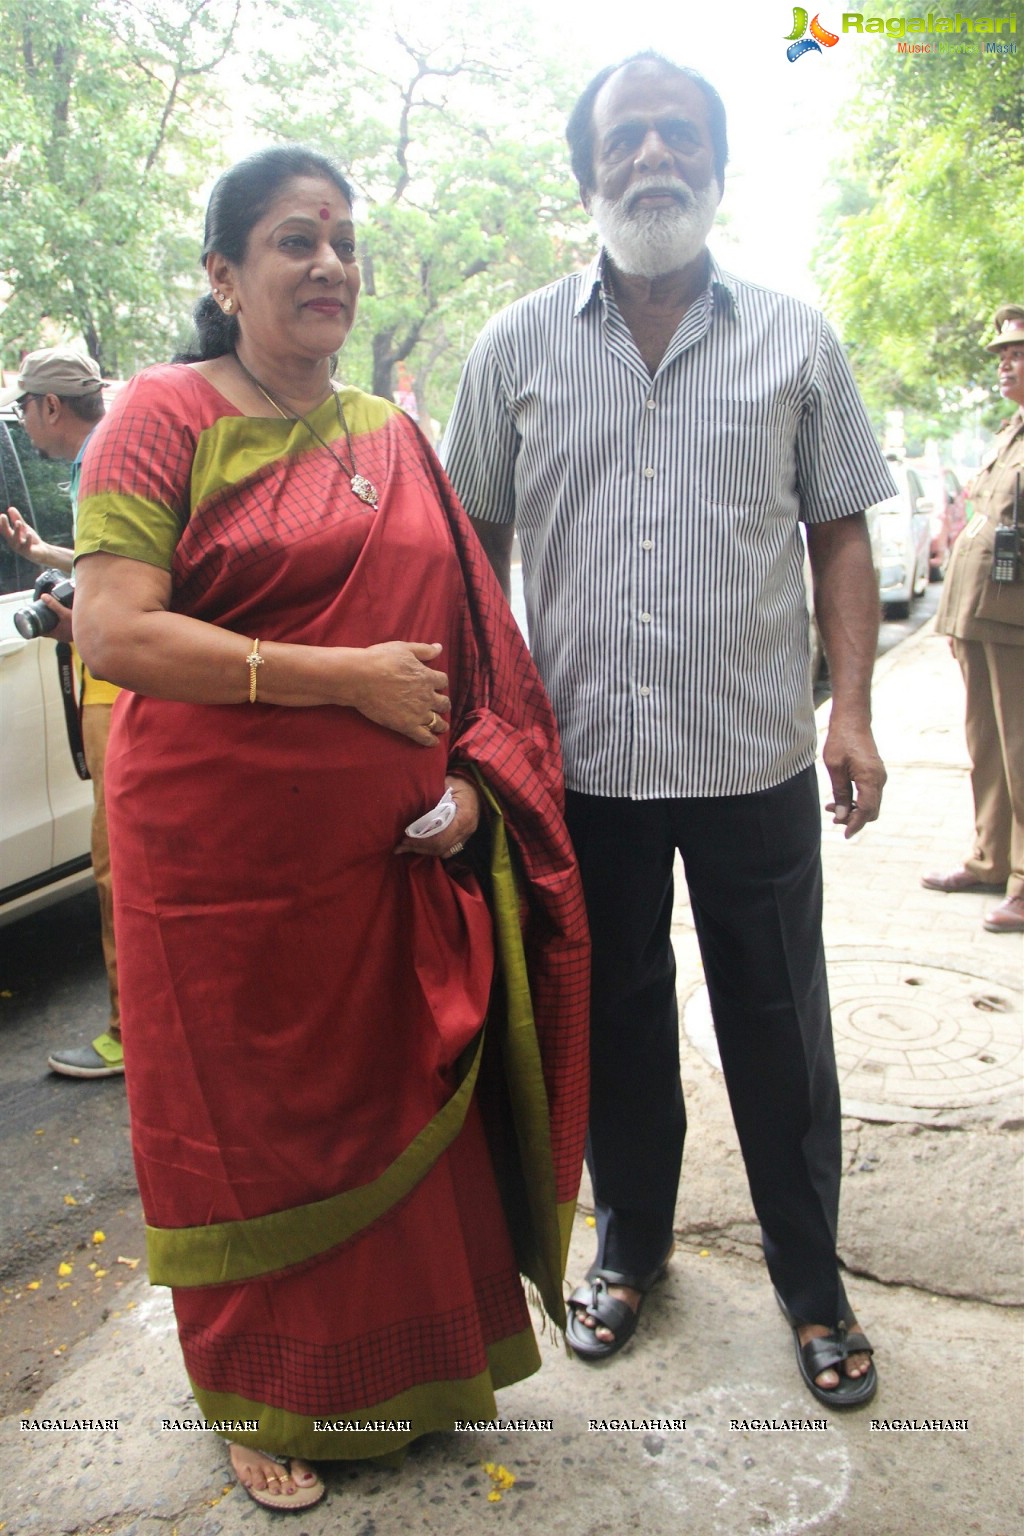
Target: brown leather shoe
(1008, 917)
(958, 880)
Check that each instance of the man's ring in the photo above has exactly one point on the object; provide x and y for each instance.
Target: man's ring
(432, 722)
(454, 849)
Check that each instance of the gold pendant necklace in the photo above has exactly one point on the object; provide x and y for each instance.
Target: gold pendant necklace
(363, 488)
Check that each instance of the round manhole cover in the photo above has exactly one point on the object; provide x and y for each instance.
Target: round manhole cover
(913, 1036)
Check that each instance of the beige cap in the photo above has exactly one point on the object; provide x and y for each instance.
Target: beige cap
(1009, 324)
(60, 371)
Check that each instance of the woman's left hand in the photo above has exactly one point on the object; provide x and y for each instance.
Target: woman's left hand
(446, 844)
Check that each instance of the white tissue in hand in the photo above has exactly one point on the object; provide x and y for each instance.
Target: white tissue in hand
(436, 820)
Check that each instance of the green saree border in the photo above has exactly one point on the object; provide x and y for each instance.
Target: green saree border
(543, 1251)
(434, 1405)
(233, 1251)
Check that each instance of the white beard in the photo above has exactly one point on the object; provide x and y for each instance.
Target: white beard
(652, 242)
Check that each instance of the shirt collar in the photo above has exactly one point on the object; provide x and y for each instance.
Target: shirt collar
(591, 281)
(77, 460)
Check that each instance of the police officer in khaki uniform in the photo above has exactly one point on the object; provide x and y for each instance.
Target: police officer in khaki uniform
(985, 619)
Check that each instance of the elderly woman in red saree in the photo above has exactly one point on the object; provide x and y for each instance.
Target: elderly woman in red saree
(356, 1059)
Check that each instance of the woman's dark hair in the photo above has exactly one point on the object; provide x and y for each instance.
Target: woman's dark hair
(238, 201)
(580, 127)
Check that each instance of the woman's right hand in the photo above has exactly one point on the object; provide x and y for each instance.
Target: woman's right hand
(397, 689)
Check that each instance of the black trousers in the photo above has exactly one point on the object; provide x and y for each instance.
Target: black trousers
(753, 869)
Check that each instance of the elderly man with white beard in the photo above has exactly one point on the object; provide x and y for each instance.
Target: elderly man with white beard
(657, 431)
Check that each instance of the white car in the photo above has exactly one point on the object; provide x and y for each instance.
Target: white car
(900, 531)
(45, 808)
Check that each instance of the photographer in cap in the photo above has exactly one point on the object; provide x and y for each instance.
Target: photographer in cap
(982, 611)
(59, 399)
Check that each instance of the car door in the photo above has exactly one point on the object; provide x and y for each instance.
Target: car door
(45, 809)
(920, 523)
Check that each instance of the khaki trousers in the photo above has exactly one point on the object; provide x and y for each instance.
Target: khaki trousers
(95, 731)
(994, 679)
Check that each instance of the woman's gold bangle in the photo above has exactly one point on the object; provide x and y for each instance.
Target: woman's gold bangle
(253, 660)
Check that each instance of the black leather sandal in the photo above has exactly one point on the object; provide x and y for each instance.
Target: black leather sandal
(617, 1316)
(829, 1354)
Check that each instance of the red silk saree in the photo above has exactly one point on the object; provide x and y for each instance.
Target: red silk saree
(357, 1080)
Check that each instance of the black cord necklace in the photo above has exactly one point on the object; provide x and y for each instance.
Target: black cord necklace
(363, 488)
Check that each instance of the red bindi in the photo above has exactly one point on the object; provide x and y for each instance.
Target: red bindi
(325, 213)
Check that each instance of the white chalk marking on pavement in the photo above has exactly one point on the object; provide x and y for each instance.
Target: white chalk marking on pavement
(767, 1483)
(155, 1314)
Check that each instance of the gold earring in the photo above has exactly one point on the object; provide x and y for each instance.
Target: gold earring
(229, 305)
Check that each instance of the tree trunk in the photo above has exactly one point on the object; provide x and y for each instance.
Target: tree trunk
(384, 364)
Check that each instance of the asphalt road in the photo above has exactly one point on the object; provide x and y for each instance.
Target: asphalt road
(64, 1147)
(64, 1142)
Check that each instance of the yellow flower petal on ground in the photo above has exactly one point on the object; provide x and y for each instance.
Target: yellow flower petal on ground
(101, 1272)
(99, 1237)
(70, 1200)
(502, 1479)
(33, 1285)
(64, 1269)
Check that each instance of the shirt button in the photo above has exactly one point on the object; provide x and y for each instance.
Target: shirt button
(652, 405)
(647, 544)
(648, 473)
(645, 618)
(645, 692)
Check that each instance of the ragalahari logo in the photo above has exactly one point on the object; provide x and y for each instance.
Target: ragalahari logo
(796, 50)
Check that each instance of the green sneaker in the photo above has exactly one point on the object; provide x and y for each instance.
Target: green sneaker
(103, 1058)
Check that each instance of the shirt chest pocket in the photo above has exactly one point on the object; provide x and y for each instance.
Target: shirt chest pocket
(742, 457)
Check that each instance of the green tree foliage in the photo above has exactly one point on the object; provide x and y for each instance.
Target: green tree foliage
(450, 130)
(922, 241)
(113, 121)
(103, 120)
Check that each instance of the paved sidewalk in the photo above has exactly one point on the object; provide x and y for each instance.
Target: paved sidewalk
(928, 1014)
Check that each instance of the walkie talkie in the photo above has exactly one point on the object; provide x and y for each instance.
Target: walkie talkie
(1006, 546)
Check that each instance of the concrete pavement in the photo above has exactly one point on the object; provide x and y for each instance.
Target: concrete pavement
(927, 1009)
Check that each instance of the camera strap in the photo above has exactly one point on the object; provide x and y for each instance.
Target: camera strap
(72, 715)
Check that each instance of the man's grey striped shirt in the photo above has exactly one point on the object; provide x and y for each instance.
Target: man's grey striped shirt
(659, 522)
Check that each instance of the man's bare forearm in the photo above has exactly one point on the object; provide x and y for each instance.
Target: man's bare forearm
(496, 539)
(846, 606)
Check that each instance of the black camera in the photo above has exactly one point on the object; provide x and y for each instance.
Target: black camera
(37, 618)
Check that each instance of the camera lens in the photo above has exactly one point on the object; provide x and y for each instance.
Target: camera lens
(35, 620)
